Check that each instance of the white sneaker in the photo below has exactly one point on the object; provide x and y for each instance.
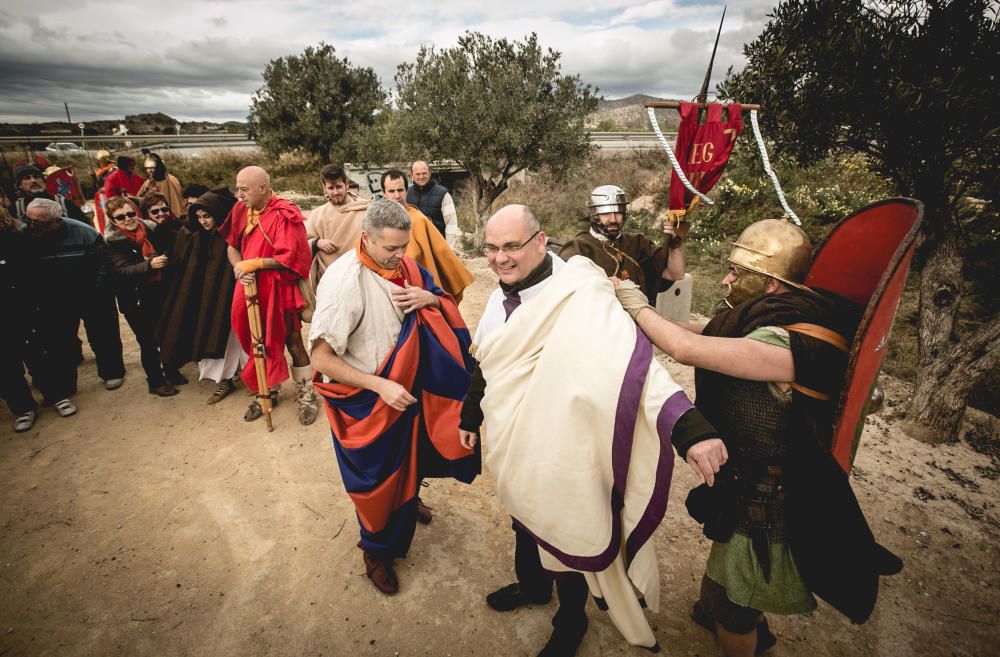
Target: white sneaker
(113, 384)
(65, 407)
(24, 422)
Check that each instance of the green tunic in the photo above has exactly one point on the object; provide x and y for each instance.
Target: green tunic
(734, 564)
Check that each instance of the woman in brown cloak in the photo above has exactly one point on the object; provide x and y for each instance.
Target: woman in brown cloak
(195, 324)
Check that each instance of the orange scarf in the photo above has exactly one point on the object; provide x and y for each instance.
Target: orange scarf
(368, 261)
(139, 237)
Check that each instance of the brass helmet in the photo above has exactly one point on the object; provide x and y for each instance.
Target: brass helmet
(102, 156)
(775, 248)
(772, 248)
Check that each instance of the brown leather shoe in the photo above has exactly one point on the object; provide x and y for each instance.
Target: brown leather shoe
(424, 515)
(165, 389)
(381, 574)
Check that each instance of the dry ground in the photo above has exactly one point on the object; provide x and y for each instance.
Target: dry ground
(161, 527)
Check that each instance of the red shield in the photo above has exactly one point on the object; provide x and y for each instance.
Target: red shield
(64, 182)
(865, 258)
(703, 149)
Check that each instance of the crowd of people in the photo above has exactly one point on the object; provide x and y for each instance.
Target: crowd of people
(165, 257)
(581, 420)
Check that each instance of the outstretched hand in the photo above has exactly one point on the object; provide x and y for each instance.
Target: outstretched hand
(632, 299)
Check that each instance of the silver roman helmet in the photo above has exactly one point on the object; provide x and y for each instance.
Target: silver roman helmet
(607, 199)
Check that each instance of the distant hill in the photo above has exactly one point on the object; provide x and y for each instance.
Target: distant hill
(628, 114)
(140, 124)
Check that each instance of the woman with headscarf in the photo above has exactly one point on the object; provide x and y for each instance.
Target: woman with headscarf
(160, 182)
(194, 323)
(135, 249)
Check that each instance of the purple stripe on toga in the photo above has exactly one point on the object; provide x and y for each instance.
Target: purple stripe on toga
(626, 414)
(676, 405)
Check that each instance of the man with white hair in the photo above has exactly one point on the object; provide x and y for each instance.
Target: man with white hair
(65, 266)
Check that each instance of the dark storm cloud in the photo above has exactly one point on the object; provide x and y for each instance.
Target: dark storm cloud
(204, 60)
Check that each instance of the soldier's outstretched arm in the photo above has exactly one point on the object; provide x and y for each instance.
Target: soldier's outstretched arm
(739, 357)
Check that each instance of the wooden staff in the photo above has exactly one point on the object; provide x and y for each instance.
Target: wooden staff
(257, 340)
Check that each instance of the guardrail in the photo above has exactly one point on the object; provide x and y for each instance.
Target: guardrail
(165, 138)
(209, 138)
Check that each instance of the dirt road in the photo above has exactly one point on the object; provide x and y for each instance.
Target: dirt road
(161, 527)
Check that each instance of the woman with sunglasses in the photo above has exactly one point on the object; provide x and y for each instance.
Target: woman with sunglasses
(155, 208)
(135, 248)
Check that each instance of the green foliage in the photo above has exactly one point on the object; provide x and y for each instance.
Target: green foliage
(909, 84)
(291, 172)
(497, 107)
(608, 125)
(316, 103)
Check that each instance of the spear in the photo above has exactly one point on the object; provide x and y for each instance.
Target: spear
(703, 94)
(257, 342)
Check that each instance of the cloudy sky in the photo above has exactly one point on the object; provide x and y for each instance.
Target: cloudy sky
(202, 59)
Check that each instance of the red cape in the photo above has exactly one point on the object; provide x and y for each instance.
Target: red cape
(119, 180)
(277, 289)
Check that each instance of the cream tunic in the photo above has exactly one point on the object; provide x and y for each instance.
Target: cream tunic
(355, 314)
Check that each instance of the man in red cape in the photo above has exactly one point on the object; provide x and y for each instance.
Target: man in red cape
(267, 241)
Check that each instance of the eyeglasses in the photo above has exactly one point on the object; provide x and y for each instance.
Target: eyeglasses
(163, 210)
(490, 250)
(121, 217)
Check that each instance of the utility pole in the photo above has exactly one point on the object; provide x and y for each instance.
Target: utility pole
(68, 120)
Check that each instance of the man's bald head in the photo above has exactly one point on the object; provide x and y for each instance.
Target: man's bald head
(510, 215)
(253, 187)
(514, 243)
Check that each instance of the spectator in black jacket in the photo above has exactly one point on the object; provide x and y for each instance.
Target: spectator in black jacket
(64, 264)
(13, 388)
(136, 251)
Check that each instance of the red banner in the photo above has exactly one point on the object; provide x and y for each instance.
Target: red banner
(703, 149)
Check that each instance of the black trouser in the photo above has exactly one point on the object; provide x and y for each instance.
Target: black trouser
(100, 319)
(51, 360)
(536, 582)
(13, 388)
(149, 348)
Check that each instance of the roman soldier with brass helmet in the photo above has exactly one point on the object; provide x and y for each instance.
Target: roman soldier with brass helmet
(770, 250)
(104, 167)
(770, 366)
(627, 256)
